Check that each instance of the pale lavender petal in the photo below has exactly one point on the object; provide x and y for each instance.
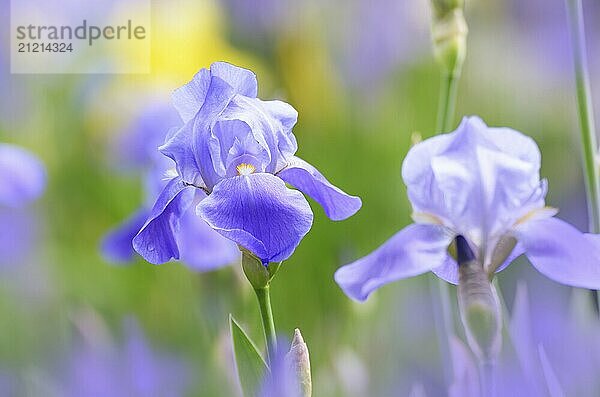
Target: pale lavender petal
(156, 240)
(560, 252)
(260, 213)
(414, 250)
(22, 174)
(117, 244)
(466, 377)
(243, 81)
(189, 98)
(337, 204)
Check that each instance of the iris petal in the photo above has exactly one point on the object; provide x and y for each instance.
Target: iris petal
(201, 247)
(22, 174)
(414, 250)
(190, 146)
(260, 213)
(156, 240)
(560, 252)
(117, 244)
(337, 204)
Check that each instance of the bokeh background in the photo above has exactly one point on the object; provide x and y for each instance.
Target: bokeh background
(362, 76)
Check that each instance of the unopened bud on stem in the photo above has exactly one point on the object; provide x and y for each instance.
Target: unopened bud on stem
(259, 274)
(478, 303)
(299, 362)
(449, 32)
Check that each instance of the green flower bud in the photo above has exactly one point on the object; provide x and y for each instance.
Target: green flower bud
(256, 272)
(299, 361)
(479, 305)
(449, 32)
(443, 7)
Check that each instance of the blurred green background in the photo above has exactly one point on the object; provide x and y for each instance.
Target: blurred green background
(362, 77)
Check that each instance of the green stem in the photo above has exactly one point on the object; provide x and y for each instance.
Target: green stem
(447, 101)
(586, 116)
(264, 303)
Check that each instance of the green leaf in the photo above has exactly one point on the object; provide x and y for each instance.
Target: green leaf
(250, 365)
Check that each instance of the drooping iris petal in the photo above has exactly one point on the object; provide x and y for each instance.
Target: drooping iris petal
(337, 204)
(560, 252)
(22, 176)
(201, 247)
(260, 213)
(414, 250)
(190, 146)
(117, 244)
(156, 240)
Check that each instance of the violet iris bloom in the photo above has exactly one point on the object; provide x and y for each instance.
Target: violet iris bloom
(202, 248)
(22, 176)
(133, 369)
(481, 183)
(22, 180)
(238, 151)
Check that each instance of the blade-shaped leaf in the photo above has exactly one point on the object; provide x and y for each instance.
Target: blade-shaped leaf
(250, 364)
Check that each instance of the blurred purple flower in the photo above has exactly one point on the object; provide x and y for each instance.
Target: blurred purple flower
(202, 248)
(22, 174)
(378, 37)
(239, 150)
(22, 180)
(133, 369)
(482, 183)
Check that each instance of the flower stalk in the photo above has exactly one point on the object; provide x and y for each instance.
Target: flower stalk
(266, 315)
(584, 107)
(260, 277)
(449, 32)
(586, 115)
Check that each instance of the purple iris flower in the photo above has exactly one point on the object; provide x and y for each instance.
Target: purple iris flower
(133, 369)
(22, 180)
(201, 248)
(483, 184)
(235, 154)
(22, 174)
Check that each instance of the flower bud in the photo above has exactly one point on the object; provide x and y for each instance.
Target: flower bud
(259, 274)
(478, 303)
(299, 362)
(449, 32)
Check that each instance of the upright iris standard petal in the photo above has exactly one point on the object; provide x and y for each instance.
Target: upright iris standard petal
(560, 252)
(189, 147)
(477, 180)
(260, 213)
(22, 176)
(156, 240)
(116, 245)
(189, 98)
(414, 250)
(243, 81)
(337, 204)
